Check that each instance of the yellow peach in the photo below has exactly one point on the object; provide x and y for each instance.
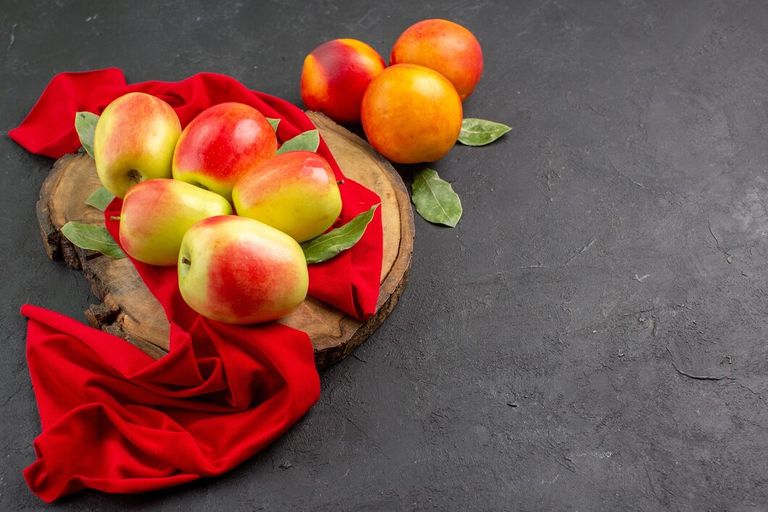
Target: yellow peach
(411, 114)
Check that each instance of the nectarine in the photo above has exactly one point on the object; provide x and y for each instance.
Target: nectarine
(444, 46)
(335, 76)
(411, 114)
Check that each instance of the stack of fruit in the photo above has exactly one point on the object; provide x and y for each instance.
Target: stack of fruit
(179, 189)
(411, 111)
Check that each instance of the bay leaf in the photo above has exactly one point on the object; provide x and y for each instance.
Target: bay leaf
(480, 132)
(328, 245)
(435, 199)
(92, 237)
(100, 199)
(307, 141)
(85, 125)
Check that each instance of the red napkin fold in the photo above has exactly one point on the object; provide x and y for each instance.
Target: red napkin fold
(116, 420)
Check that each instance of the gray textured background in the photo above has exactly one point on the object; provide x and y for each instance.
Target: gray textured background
(615, 240)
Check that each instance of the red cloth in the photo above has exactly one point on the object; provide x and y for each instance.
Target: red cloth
(116, 420)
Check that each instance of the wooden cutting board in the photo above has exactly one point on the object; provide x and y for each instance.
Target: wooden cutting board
(129, 310)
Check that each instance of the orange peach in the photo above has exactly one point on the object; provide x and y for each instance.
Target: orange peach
(335, 76)
(411, 114)
(444, 46)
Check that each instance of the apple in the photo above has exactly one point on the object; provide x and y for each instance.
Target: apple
(241, 271)
(221, 144)
(156, 213)
(134, 140)
(295, 192)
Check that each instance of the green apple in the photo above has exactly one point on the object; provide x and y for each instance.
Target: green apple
(134, 140)
(295, 192)
(157, 212)
(241, 271)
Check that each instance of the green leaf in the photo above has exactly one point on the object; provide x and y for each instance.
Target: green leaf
(85, 124)
(93, 237)
(435, 199)
(100, 199)
(274, 122)
(479, 132)
(307, 141)
(328, 245)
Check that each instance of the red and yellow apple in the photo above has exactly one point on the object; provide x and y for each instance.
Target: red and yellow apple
(335, 76)
(221, 144)
(445, 46)
(240, 271)
(156, 213)
(134, 140)
(411, 114)
(295, 192)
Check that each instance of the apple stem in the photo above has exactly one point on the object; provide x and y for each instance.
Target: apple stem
(340, 182)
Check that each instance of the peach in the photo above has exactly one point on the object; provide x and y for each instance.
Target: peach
(335, 76)
(444, 46)
(411, 114)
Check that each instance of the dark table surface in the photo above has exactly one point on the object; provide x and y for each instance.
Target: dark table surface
(544, 354)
